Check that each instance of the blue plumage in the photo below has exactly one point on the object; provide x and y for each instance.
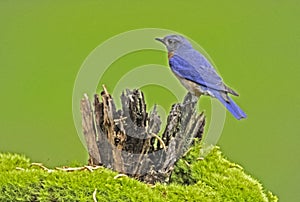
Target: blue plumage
(197, 74)
(231, 106)
(185, 70)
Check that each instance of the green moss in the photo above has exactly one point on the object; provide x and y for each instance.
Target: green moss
(211, 179)
(225, 181)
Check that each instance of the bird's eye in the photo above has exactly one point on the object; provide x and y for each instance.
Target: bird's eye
(170, 41)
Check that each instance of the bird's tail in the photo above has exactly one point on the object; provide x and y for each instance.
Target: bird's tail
(231, 106)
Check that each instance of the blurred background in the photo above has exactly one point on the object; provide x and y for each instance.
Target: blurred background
(255, 45)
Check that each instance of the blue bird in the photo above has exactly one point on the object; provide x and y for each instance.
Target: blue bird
(196, 73)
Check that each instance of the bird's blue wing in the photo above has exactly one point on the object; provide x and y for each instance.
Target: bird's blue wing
(202, 75)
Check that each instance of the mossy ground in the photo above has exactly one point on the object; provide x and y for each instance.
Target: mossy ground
(211, 179)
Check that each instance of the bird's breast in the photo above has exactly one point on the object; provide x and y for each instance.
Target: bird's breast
(170, 54)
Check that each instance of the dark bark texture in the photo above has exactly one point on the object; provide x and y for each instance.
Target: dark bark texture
(127, 140)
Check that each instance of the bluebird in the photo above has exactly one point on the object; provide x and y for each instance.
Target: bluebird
(197, 74)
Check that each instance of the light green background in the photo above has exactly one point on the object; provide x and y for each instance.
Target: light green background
(255, 44)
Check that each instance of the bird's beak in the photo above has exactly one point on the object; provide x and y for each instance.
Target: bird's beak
(160, 40)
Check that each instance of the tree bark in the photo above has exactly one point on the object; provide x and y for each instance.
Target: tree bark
(127, 140)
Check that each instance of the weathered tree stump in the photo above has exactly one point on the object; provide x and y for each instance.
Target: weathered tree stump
(127, 140)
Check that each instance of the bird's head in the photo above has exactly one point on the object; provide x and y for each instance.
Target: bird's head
(175, 42)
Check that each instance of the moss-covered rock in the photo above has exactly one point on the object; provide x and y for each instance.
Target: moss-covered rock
(211, 179)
